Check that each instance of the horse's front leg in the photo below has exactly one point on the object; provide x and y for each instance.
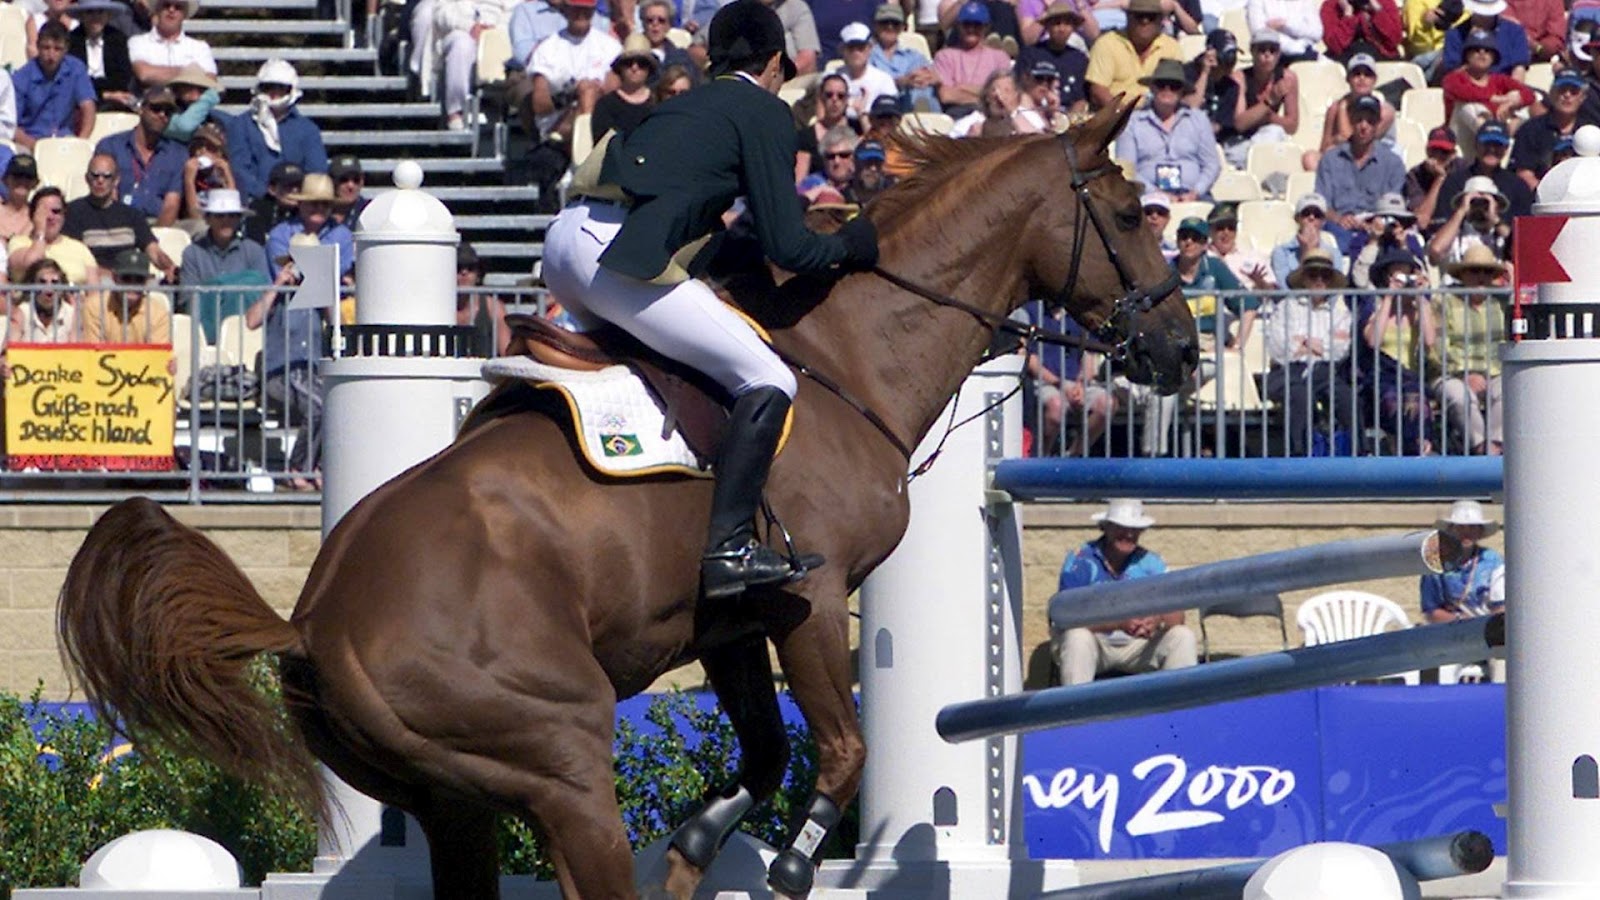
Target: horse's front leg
(815, 656)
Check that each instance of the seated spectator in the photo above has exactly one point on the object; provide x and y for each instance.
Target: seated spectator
(1426, 22)
(1005, 27)
(54, 95)
(674, 80)
(833, 107)
(1534, 152)
(276, 205)
(799, 32)
(106, 225)
(1157, 209)
(1585, 54)
(348, 180)
(1390, 226)
(1509, 38)
(1361, 74)
(1216, 92)
(1545, 22)
(1119, 59)
(313, 216)
(655, 17)
(1426, 179)
(1369, 27)
(1005, 111)
(161, 53)
(1298, 22)
(103, 49)
(1266, 100)
(484, 313)
(1061, 21)
(1477, 585)
(869, 179)
(45, 316)
(1397, 331)
(1465, 363)
(47, 209)
(130, 313)
(454, 28)
(1308, 340)
(1479, 216)
(1142, 644)
(1354, 174)
(222, 257)
(1475, 93)
(197, 95)
(1043, 90)
(622, 109)
(1492, 144)
(1311, 220)
(20, 178)
(151, 167)
(867, 82)
(272, 130)
(568, 74)
(530, 22)
(916, 81)
(207, 169)
(1247, 266)
(838, 167)
(965, 66)
(1171, 145)
(1201, 270)
(1074, 406)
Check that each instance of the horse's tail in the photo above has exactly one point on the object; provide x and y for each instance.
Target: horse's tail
(162, 628)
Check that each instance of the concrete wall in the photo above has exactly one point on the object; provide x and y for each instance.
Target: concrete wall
(275, 546)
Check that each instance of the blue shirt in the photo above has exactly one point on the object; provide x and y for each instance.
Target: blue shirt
(901, 63)
(252, 160)
(1286, 257)
(292, 336)
(145, 185)
(1510, 37)
(332, 234)
(1065, 362)
(1183, 159)
(1476, 588)
(531, 22)
(46, 105)
(1352, 189)
(1087, 565)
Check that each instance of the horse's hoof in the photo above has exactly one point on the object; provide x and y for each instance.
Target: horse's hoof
(698, 841)
(792, 874)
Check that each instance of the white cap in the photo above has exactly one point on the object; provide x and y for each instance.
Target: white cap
(855, 33)
(1127, 512)
(1307, 201)
(1485, 7)
(1361, 61)
(278, 71)
(1156, 198)
(223, 202)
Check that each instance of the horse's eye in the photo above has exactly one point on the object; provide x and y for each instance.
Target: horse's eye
(1128, 220)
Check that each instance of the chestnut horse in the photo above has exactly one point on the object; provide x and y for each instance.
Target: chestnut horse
(466, 631)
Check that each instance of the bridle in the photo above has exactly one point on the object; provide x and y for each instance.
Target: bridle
(1112, 337)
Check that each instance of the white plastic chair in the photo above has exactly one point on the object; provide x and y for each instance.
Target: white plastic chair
(1424, 106)
(62, 162)
(109, 123)
(494, 51)
(1234, 185)
(1345, 615)
(1268, 157)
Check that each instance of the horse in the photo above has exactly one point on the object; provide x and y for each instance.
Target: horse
(466, 631)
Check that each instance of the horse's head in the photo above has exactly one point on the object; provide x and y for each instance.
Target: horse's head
(1106, 267)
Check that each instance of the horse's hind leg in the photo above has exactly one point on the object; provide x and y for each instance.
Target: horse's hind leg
(741, 674)
(461, 847)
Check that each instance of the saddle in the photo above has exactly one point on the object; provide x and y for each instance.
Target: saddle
(698, 405)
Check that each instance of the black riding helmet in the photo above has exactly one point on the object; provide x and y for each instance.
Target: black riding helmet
(745, 31)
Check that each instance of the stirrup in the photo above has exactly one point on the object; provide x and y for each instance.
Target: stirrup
(726, 573)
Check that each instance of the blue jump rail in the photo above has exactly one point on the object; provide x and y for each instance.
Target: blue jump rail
(1422, 478)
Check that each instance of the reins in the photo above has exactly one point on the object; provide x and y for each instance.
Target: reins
(1114, 335)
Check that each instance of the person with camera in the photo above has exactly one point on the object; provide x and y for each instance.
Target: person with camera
(1491, 145)
(1390, 225)
(1509, 37)
(1425, 180)
(205, 170)
(1479, 219)
(1426, 22)
(1370, 27)
(1397, 331)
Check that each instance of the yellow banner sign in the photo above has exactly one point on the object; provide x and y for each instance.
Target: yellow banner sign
(72, 406)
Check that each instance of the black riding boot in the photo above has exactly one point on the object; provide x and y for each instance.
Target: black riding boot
(734, 560)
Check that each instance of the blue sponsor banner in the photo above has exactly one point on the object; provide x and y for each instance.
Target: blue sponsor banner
(1369, 764)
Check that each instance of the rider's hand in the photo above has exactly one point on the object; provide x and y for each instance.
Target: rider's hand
(860, 238)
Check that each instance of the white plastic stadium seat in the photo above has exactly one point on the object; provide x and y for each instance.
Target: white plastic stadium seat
(582, 141)
(1424, 106)
(1234, 185)
(1411, 139)
(13, 36)
(494, 51)
(62, 162)
(109, 123)
(1266, 223)
(1300, 184)
(936, 123)
(911, 40)
(679, 38)
(1345, 615)
(1320, 81)
(1180, 211)
(1273, 156)
(1389, 70)
(1540, 76)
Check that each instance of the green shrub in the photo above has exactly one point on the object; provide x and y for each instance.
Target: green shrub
(60, 805)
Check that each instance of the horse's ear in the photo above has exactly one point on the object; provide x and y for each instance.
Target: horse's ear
(1105, 125)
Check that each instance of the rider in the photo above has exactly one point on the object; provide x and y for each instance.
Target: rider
(620, 249)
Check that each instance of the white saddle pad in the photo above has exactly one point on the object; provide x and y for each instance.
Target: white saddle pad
(623, 429)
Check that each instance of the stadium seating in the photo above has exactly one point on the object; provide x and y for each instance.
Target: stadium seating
(62, 162)
(1264, 224)
(1234, 185)
(1266, 158)
(109, 123)
(1424, 106)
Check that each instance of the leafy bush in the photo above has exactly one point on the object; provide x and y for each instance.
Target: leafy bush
(60, 803)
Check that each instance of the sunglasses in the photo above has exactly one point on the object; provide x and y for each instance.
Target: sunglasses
(843, 154)
(1224, 226)
(1193, 237)
(656, 20)
(834, 95)
(102, 176)
(635, 63)
(50, 281)
(1264, 48)
(1313, 214)
(167, 6)
(1145, 17)
(163, 109)
(1157, 211)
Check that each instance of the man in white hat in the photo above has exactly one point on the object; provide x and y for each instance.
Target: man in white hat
(160, 54)
(1141, 644)
(1475, 587)
(222, 256)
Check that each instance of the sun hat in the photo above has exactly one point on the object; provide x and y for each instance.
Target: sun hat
(637, 46)
(1394, 206)
(1485, 7)
(1266, 37)
(278, 71)
(1480, 184)
(1479, 39)
(223, 202)
(195, 76)
(1167, 71)
(1477, 258)
(1467, 512)
(1061, 10)
(316, 186)
(1127, 512)
(1317, 258)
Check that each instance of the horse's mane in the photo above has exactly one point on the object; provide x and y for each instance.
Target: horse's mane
(936, 160)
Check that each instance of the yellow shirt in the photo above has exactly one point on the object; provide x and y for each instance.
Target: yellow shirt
(72, 255)
(1420, 36)
(1114, 64)
(151, 323)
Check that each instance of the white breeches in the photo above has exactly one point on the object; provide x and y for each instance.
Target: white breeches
(684, 321)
